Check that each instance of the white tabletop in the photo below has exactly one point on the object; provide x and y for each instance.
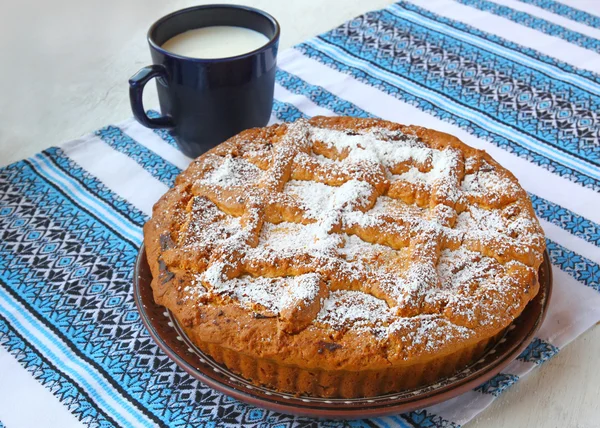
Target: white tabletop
(64, 72)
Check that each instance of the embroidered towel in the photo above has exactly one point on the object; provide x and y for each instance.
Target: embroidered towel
(518, 78)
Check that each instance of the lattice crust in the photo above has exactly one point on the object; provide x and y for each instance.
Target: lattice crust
(362, 233)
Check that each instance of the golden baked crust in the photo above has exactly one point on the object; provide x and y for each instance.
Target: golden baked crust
(342, 256)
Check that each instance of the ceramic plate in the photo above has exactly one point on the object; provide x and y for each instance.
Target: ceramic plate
(169, 336)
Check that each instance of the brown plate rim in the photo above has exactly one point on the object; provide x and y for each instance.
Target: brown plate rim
(339, 408)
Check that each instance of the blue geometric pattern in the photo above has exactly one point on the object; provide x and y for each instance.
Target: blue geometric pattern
(566, 219)
(498, 384)
(499, 41)
(539, 24)
(94, 186)
(538, 351)
(319, 95)
(287, 112)
(566, 11)
(66, 265)
(581, 268)
(78, 402)
(161, 169)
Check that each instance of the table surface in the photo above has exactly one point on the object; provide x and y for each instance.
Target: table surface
(69, 76)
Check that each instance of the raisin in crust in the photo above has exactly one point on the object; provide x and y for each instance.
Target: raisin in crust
(344, 257)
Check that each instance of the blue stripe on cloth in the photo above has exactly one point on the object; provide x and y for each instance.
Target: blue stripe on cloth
(58, 261)
(546, 115)
(318, 95)
(536, 23)
(365, 75)
(160, 168)
(579, 267)
(286, 112)
(566, 11)
(498, 384)
(76, 192)
(538, 351)
(162, 133)
(112, 228)
(77, 400)
(95, 186)
(551, 67)
(8, 308)
(566, 219)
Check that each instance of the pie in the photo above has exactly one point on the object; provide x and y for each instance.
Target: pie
(344, 257)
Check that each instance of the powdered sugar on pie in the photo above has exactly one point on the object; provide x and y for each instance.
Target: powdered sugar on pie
(379, 231)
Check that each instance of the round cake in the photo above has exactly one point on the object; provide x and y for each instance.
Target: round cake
(344, 257)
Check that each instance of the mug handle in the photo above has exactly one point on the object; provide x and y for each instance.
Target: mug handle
(136, 89)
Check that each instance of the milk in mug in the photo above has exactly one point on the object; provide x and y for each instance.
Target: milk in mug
(215, 42)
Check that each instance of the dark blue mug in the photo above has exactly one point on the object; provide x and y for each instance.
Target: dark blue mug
(206, 101)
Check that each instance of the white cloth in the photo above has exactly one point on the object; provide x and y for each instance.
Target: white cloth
(516, 78)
